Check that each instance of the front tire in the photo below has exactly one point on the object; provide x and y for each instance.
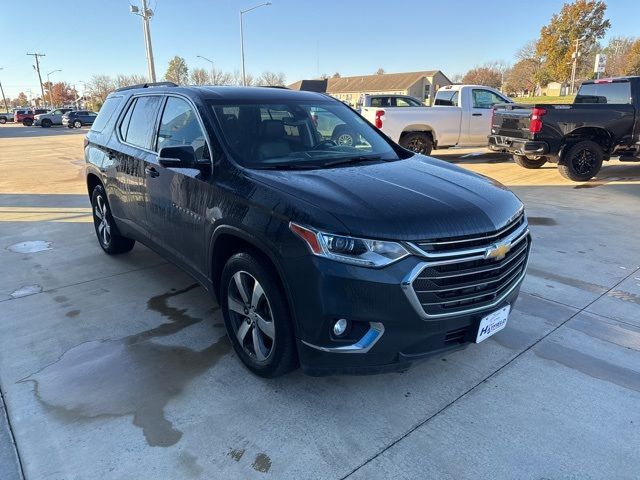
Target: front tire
(27, 123)
(582, 161)
(417, 142)
(108, 235)
(45, 123)
(344, 136)
(3, 121)
(525, 162)
(257, 316)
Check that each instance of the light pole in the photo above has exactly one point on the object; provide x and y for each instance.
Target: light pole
(242, 12)
(49, 85)
(4, 99)
(146, 14)
(211, 62)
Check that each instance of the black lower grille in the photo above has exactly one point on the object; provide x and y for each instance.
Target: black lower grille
(466, 280)
(456, 336)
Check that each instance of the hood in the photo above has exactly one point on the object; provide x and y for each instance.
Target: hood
(415, 199)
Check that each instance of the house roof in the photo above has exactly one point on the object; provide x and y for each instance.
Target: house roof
(363, 83)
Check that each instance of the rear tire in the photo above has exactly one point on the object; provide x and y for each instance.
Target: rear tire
(582, 161)
(108, 235)
(3, 121)
(27, 122)
(528, 163)
(417, 142)
(259, 327)
(77, 124)
(46, 123)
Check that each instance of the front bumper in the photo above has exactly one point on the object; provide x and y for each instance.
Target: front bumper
(37, 122)
(389, 332)
(517, 146)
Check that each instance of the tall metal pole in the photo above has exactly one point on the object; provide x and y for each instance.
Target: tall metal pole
(4, 99)
(37, 56)
(146, 15)
(242, 12)
(211, 62)
(574, 66)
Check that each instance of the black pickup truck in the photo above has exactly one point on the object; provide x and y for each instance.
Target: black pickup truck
(602, 122)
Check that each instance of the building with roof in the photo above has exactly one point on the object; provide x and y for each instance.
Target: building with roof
(422, 85)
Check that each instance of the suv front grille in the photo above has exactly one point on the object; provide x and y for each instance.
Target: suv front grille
(458, 277)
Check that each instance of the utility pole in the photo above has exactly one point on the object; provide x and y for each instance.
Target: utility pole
(574, 67)
(146, 15)
(37, 67)
(4, 99)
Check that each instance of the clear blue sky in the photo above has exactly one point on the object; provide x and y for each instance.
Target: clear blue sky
(302, 38)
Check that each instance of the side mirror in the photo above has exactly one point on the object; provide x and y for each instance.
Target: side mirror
(182, 156)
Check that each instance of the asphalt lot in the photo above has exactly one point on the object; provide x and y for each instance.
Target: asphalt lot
(119, 367)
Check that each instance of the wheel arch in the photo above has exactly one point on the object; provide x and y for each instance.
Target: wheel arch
(419, 128)
(601, 136)
(92, 182)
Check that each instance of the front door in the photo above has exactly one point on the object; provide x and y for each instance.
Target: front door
(177, 198)
(479, 115)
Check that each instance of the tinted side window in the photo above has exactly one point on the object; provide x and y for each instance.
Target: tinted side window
(142, 121)
(406, 102)
(447, 98)
(179, 126)
(106, 112)
(614, 92)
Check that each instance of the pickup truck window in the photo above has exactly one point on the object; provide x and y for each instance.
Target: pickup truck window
(605, 92)
(447, 98)
(485, 98)
(406, 102)
(380, 102)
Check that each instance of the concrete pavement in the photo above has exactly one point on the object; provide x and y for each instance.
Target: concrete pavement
(119, 367)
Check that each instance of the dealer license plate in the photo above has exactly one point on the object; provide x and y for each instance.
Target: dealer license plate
(492, 323)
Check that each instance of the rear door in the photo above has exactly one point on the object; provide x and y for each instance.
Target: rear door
(478, 115)
(177, 198)
(136, 134)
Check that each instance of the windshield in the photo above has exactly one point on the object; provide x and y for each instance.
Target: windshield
(299, 134)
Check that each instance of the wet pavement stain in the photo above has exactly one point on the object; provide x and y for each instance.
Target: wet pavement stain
(589, 365)
(625, 296)
(33, 246)
(130, 375)
(588, 185)
(262, 463)
(620, 334)
(26, 290)
(572, 282)
(60, 299)
(542, 221)
(72, 313)
(189, 463)
(513, 339)
(236, 453)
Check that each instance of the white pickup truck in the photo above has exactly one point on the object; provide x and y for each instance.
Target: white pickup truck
(460, 116)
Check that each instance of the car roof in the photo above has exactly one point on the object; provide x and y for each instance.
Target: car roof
(231, 93)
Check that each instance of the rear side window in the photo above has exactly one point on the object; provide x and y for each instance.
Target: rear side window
(138, 125)
(448, 98)
(380, 102)
(106, 112)
(606, 92)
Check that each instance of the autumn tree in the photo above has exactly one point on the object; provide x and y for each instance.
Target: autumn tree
(98, 87)
(483, 76)
(199, 76)
(20, 101)
(581, 20)
(62, 93)
(617, 52)
(177, 71)
(522, 77)
(633, 60)
(272, 79)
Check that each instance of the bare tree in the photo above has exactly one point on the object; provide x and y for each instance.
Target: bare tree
(199, 76)
(99, 86)
(272, 79)
(218, 77)
(122, 80)
(380, 71)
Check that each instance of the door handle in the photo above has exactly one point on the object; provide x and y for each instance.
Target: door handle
(476, 114)
(152, 172)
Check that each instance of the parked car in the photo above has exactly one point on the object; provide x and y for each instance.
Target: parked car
(602, 122)
(461, 116)
(333, 257)
(6, 117)
(26, 116)
(50, 118)
(388, 101)
(78, 118)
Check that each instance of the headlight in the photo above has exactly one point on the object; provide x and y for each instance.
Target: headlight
(356, 251)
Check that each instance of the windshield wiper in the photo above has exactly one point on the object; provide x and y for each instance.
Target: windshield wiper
(286, 166)
(357, 159)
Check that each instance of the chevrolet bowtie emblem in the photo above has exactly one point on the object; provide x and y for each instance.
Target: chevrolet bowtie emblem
(497, 251)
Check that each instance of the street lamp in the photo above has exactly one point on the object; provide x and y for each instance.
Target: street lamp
(211, 62)
(146, 14)
(49, 84)
(4, 99)
(242, 12)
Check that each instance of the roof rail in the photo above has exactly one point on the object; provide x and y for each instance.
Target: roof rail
(147, 85)
(275, 86)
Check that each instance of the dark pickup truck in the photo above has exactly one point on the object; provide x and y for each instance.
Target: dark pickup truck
(601, 123)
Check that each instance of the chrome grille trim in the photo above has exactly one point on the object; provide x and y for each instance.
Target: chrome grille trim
(513, 270)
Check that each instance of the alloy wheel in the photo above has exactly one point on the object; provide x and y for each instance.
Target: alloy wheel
(251, 316)
(418, 145)
(101, 219)
(345, 139)
(77, 124)
(583, 161)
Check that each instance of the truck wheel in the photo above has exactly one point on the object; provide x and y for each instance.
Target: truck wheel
(417, 142)
(582, 161)
(46, 123)
(528, 163)
(27, 122)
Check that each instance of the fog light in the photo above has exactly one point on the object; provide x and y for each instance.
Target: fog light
(340, 327)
